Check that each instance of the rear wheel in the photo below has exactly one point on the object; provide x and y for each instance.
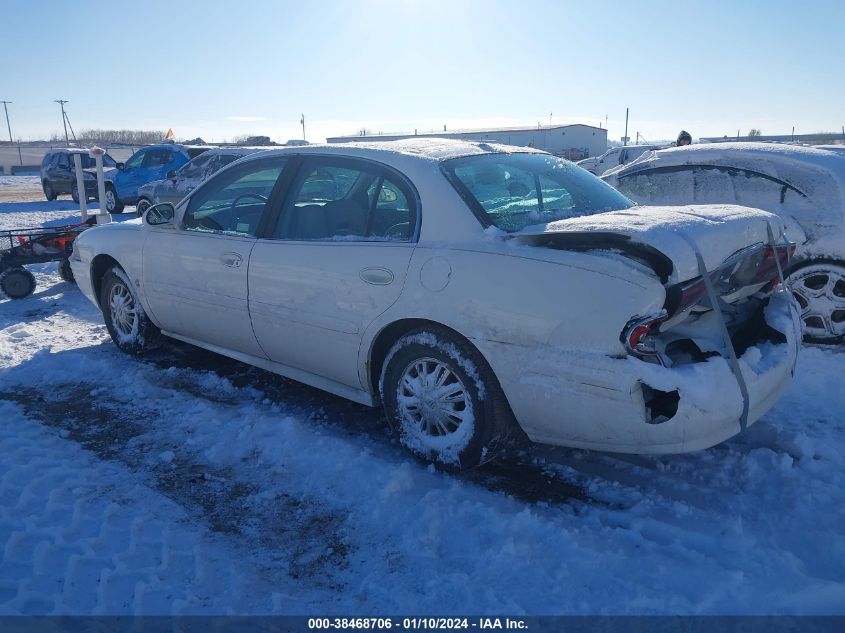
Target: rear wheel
(113, 204)
(74, 193)
(17, 282)
(443, 400)
(819, 289)
(129, 326)
(48, 190)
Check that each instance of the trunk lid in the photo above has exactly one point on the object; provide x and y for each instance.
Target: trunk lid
(658, 236)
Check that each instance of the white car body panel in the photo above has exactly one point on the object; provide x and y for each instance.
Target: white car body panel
(816, 224)
(547, 321)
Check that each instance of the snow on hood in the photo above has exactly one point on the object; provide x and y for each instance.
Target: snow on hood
(718, 230)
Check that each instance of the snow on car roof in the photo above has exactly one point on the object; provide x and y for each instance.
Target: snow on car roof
(432, 149)
(771, 151)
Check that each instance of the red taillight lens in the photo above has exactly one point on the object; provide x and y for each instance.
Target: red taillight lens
(635, 336)
(768, 269)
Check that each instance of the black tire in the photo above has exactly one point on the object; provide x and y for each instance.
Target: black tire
(66, 272)
(825, 277)
(112, 200)
(129, 327)
(17, 282)
(74, 193)
(48, 190)
(143, 205)
(460, 420)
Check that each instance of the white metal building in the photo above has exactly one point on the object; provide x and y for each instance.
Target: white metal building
(570, 141)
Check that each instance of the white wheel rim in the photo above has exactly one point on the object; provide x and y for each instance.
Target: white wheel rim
(820, 292)
(110, 200)
(432, 399)
(124, 316)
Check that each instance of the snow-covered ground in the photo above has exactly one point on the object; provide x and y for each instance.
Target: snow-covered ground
(190, 483)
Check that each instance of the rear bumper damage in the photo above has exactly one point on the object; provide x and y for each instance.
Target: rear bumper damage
(632, 406)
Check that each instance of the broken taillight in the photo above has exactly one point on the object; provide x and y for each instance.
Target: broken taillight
(636, 337)
(768, 268)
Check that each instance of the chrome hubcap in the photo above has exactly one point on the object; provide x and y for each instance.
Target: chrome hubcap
(433, 398)
(124, 317)
(109, 200)
(820, 293)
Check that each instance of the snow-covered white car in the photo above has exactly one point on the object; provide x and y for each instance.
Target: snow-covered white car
(803, 185)
(473, 289)
(614, 157)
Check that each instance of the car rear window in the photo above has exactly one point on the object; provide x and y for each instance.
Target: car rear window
(516, 191)
(193, 152)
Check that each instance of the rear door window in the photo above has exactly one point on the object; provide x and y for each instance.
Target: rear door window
(342, 199)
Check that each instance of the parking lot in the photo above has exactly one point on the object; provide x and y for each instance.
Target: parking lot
(187, 482)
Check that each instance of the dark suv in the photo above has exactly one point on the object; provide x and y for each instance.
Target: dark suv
(58, 175)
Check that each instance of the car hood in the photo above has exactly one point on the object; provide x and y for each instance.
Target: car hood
(665, 237)
(106, 171)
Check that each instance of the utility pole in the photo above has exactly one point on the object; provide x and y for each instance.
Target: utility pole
(62, 103)
(9, 125)
(793, 133)
(625, 138)
(302, 121)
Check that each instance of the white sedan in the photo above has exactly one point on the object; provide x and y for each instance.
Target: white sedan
(805, 186)
(474, 290)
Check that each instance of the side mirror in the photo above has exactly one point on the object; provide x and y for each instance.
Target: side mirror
(159, 214)
(171, 175)
(120, 166)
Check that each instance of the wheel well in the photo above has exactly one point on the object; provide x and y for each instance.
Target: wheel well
(390, 334)
(99, 266)
(798, 264)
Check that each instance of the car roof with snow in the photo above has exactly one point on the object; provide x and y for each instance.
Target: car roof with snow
(736, 154)
(424, 149)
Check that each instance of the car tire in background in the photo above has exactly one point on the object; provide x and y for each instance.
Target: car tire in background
(129, 326)
(443, 400)
(48, 190)
(819, 288)
(74, 193)
(17, 282)
(113, 203)
(143, 205)
(66, 272)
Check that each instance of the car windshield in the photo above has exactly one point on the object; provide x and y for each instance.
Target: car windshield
(516, 191)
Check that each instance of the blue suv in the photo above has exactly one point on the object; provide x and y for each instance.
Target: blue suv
(147, 164)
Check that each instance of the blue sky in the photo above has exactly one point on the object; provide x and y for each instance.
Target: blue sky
(222, 69)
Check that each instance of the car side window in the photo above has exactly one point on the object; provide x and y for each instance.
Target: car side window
(196, 168)
(346, 200)
(157, 158)
(136, 159)
(234, 201)
(659, 185)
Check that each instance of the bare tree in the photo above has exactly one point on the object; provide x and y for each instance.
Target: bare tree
(754, 132)
(124, 137)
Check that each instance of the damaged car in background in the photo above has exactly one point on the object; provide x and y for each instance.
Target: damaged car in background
(473, 290)
(805, 186)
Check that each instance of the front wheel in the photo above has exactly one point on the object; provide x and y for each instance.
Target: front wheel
(17, 282)
(66, 272)
(48, 191)
(129, 326)
(113, 203)
(819, 289)
(443, 400)
(143, 205)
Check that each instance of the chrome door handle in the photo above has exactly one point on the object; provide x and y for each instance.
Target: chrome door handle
(376, 276)
(233, 260)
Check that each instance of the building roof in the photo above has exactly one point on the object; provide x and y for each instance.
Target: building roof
(541, 128)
